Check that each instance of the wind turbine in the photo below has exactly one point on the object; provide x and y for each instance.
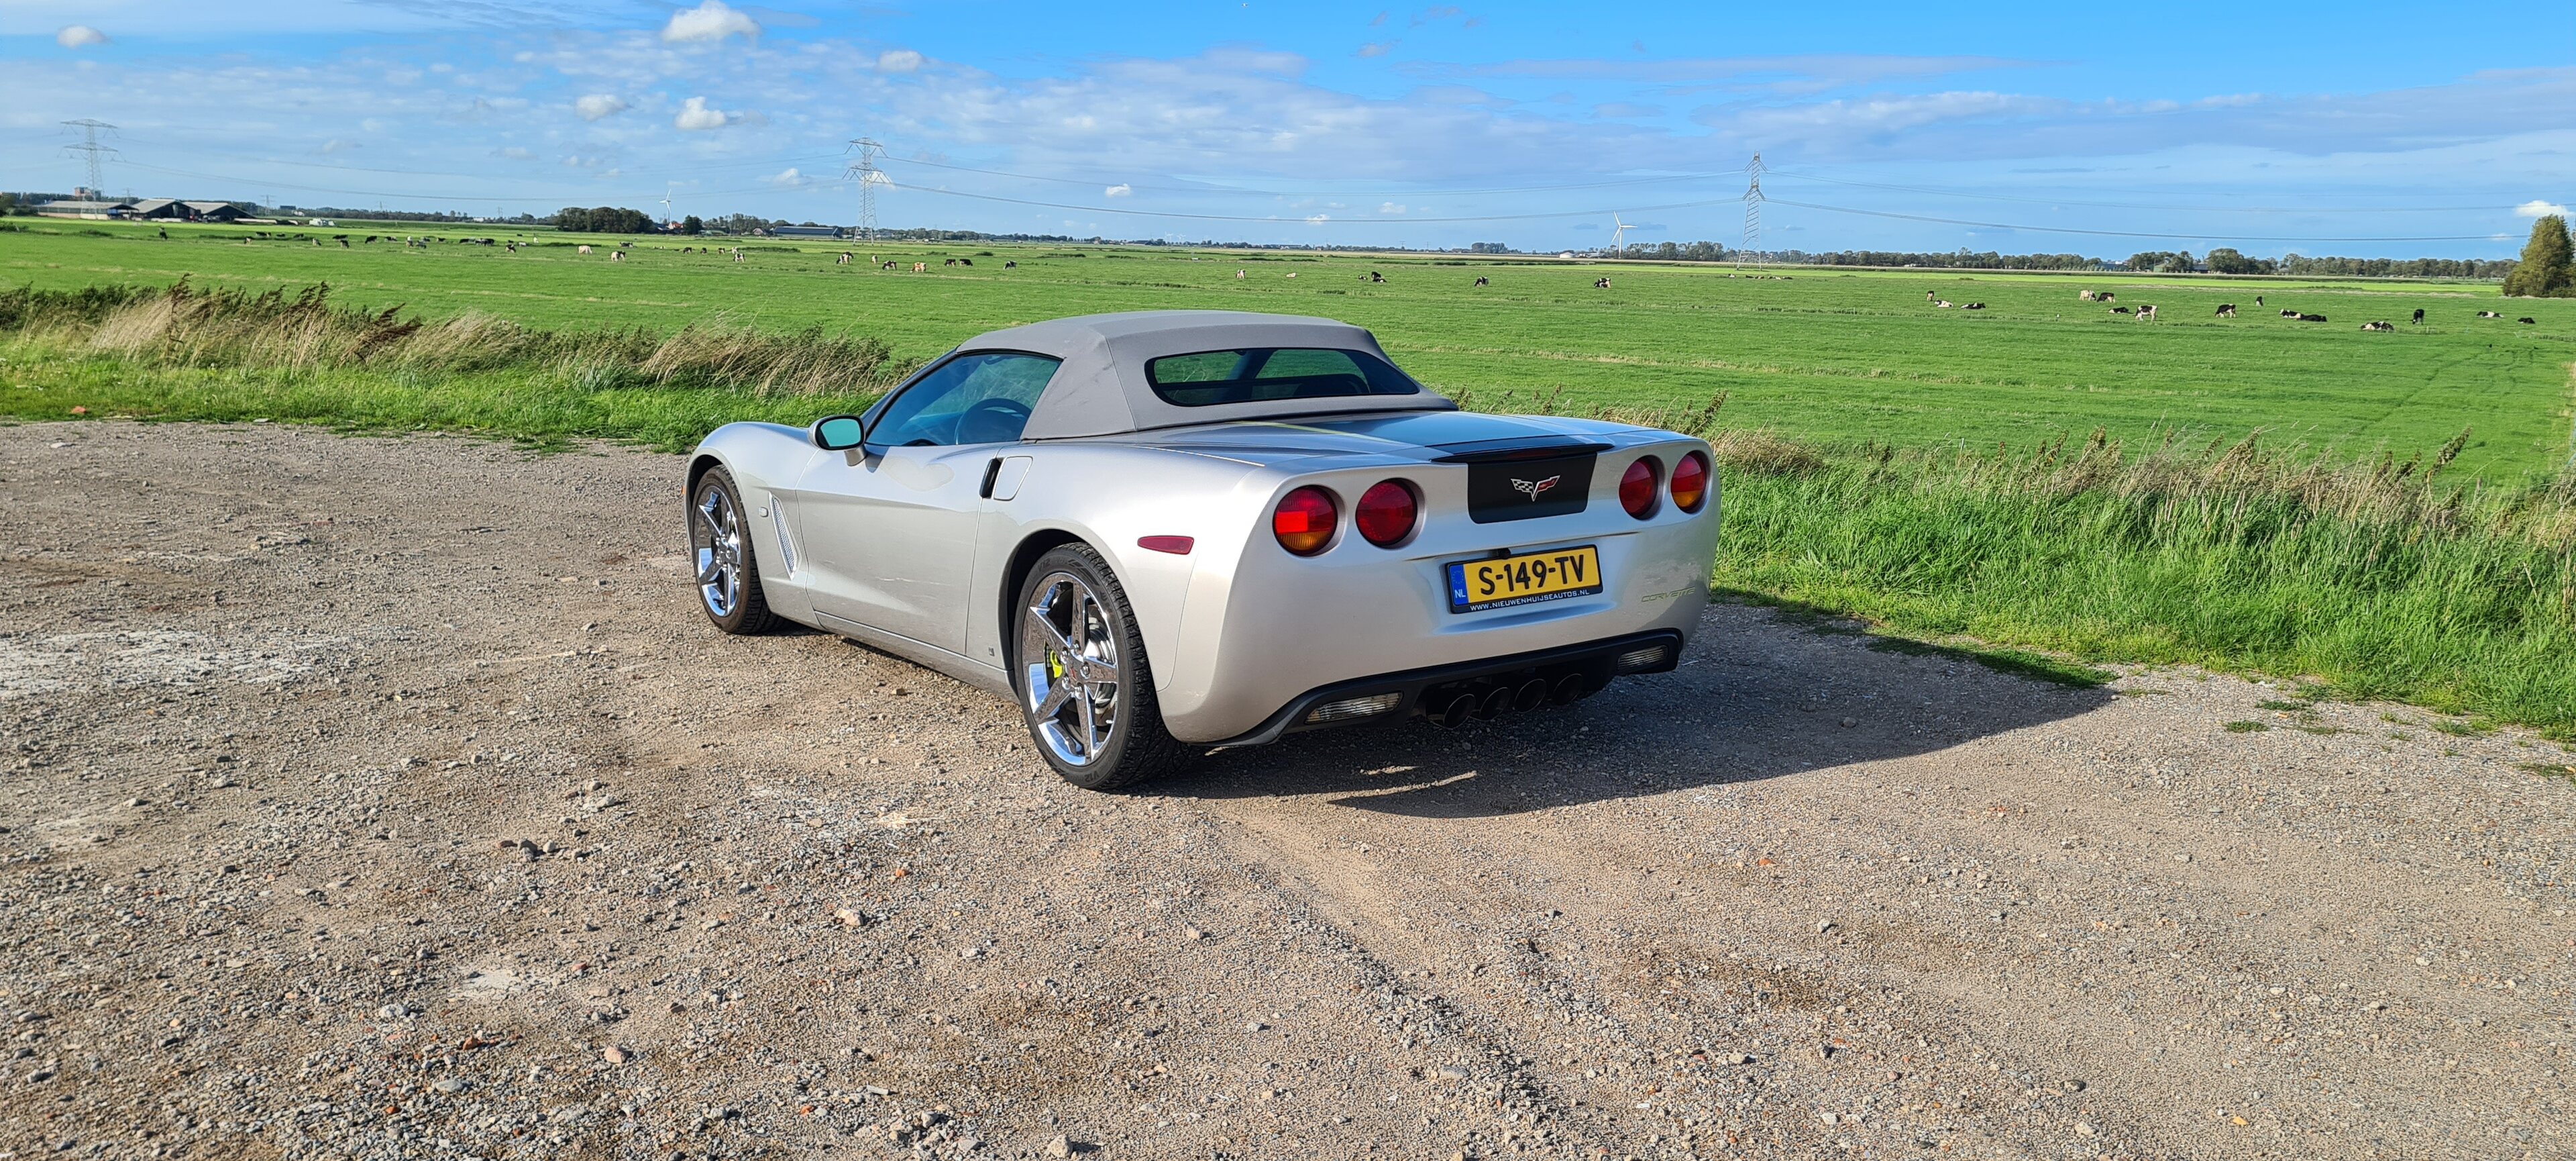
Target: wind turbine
(667, 187)
(1619, 234)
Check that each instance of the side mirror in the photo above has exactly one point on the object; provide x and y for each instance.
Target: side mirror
(839, 432)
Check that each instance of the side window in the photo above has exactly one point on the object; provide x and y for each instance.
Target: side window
(970, 399)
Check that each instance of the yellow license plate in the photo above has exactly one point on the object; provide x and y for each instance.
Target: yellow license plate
(1523, 578)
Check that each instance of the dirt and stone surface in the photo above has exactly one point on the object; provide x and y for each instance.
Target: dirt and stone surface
(384, 798)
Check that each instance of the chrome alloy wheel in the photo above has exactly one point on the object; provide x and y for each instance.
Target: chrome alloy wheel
(1072, 669)
(716, 533)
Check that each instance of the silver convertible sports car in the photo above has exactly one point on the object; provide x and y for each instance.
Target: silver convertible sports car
(1169, 531)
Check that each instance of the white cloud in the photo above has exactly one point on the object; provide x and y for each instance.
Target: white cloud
(1389, 208)
(694, 114)
(515, 153)
(790, 178)
(1120, 190)
(1319, 219)
(1377, 48)
(898, 60)
(336, 145)
(712, 20)
(2536, 208)
(594, 106)
(79, 36)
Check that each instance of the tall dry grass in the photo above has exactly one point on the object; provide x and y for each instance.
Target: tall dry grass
(184, 326)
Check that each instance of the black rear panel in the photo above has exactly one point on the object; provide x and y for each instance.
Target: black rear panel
(1530, 488)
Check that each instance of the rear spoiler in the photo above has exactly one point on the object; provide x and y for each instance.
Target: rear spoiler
(1528, 447)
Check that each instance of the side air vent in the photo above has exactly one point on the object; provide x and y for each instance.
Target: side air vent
(778, 520)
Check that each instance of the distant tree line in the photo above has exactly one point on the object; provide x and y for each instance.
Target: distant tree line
(370, 215)
(1960, 259)
(605, 220)
(2223, 260)
(1675, 251)
(1956, 259)
(2386, 267)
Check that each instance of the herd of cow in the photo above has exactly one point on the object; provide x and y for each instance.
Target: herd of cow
(2225, 310)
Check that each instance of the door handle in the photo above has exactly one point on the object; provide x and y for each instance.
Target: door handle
(991, 469)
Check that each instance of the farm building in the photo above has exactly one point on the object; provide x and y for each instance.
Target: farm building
(174, 210)
(805, 231)
(99, 209)
(154, 209)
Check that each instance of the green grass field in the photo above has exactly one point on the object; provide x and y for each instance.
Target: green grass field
(1831, 357)
(2040, 475)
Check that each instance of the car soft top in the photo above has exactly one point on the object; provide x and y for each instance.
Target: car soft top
(1101, 389)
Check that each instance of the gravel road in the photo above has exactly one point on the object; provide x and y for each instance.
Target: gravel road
(389, 798)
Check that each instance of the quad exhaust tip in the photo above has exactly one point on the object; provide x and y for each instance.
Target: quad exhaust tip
(1462, 704)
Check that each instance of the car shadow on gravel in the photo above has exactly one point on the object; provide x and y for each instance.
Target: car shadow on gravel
(1759, 696)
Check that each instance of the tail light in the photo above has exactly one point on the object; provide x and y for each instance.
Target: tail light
(1637, 488)
(1386, 513)
(1304, 520)
(1690, 482)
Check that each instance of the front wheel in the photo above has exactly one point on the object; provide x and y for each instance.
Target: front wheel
(1082, 679)
(728, 572)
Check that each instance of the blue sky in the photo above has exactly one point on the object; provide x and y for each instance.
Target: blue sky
(2403, 130)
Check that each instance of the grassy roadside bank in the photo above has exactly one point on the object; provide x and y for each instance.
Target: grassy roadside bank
(181, 353)
(2372, 579)
(2369, 580)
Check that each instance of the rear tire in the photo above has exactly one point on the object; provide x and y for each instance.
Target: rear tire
(720, 553)
(1080, 671)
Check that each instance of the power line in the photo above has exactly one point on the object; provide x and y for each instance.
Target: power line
(1946, 193)
(1351, 193)
(558, 199)
(953, 193)
(2118, 233)
(1696, 205)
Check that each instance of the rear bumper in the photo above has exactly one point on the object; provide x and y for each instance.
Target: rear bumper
(1593, 663)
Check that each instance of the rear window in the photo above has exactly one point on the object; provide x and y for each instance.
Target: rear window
(1264, 374)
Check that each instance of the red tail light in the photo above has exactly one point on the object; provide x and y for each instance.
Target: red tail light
(1386, 513)
(1637, 488)
(1304, 520)
(1690, 482)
